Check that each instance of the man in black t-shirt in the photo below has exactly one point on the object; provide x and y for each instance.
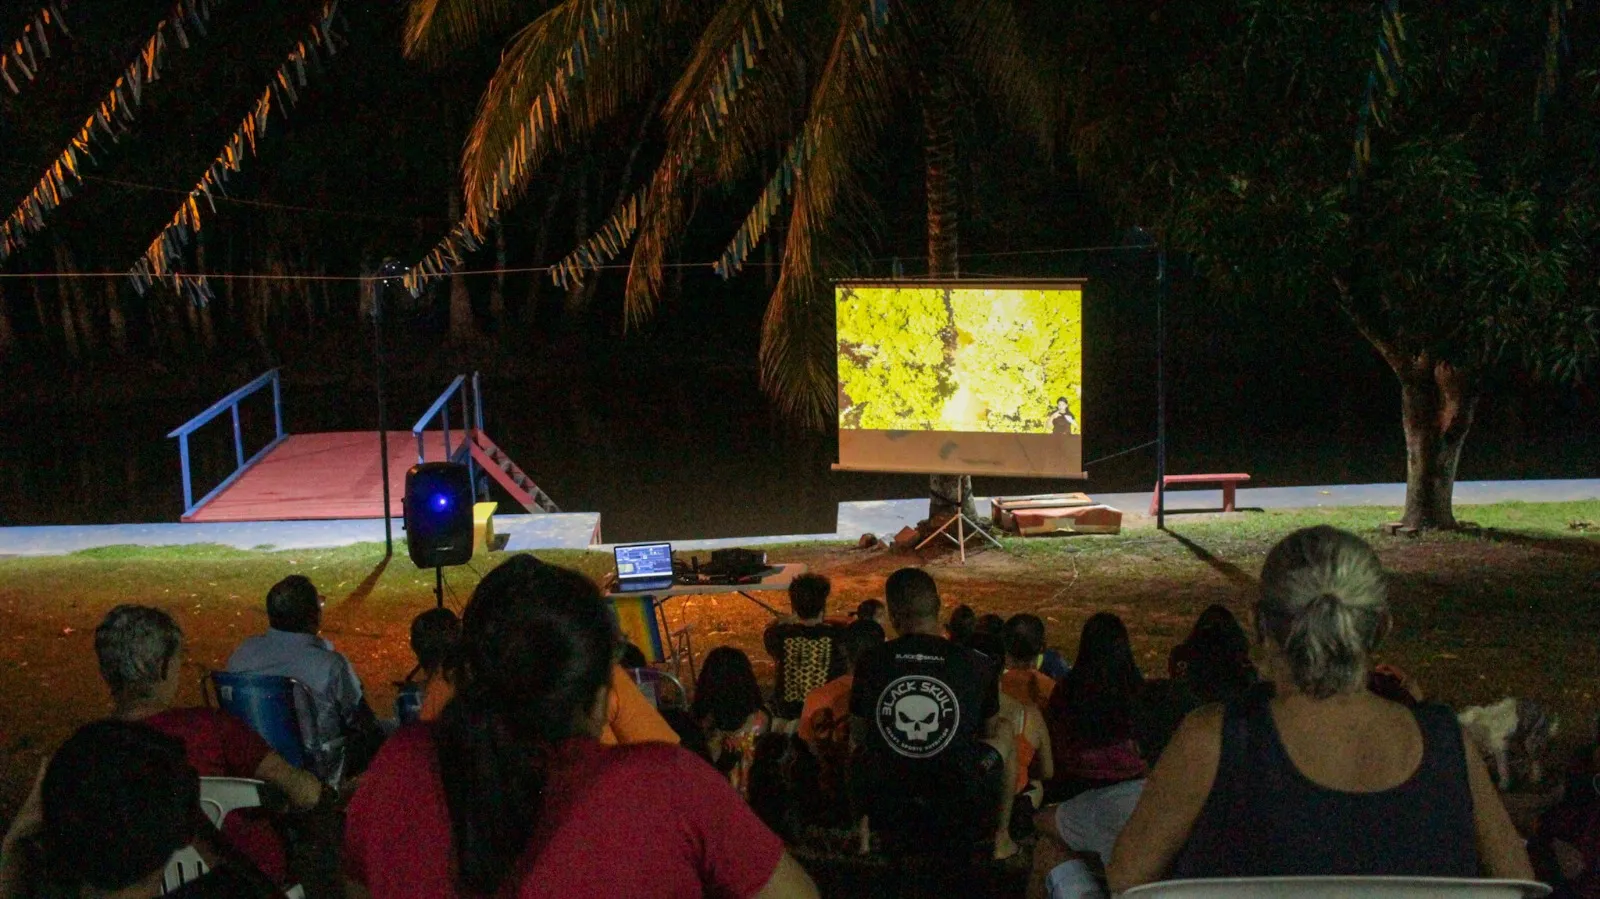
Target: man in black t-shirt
(933, 765)
(803, 648)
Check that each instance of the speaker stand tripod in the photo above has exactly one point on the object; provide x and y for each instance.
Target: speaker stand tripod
(966, 528)
(438, 586)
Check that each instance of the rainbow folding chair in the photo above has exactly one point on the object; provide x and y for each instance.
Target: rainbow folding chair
(643, 622)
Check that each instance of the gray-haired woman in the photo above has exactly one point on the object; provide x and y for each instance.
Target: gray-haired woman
(1325, 777)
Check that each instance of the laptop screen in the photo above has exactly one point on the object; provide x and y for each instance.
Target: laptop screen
(644, 562)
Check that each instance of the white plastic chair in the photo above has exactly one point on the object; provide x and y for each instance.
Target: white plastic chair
(1340, 888)
(219, 796)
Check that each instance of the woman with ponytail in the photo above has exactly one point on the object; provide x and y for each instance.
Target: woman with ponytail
(1324, 777)
(510, 793)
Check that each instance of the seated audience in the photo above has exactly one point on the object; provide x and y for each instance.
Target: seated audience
(118, 799)
(991, 624)
(630, 717)
(801, 646)
(731, 713)
(1091, 714)
(1566, 847)
(1213, 663)
(510, 793)
(936, 767)
(872, 610)
(1024, 644)
(961, 625)
(1324, 778)
(292, 648)
(434, 635)
(140, 651)
(632, 656)
(825, 718)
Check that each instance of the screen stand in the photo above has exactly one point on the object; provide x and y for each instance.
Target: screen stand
(966, 528)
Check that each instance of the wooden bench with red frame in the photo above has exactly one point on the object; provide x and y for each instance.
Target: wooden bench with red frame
(1229, 482)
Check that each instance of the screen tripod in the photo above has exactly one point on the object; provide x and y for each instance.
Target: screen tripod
(965, 527)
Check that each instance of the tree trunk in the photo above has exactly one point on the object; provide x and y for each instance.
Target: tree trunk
(461, 330)
(497, 289)
(1437, 403)
(940, 174)
(116, 321)
(576, 295)
(208, 332)
(73, 315)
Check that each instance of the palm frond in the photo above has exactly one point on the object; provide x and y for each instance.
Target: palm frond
(435, 29)
(850, 108)
(999, 49)
(726, 56)
(1557, 47)
(560, 78)
(1383, 85)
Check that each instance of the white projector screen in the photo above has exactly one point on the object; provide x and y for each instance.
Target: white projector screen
(961, 377)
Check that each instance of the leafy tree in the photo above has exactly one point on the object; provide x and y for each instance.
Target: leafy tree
(800, 95)
(893, 370)
(1456, 236)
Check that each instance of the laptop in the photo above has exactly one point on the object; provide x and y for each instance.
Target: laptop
(642, 567)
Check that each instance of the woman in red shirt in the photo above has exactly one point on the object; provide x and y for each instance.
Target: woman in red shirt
(510, 793)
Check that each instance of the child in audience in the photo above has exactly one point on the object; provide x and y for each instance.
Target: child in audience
(801, 646)
(1024, 644)
(991, 624)
(825, 719)
(872, 610)
(961, 625)
(511, 794)
(434, 635)
(729, 709)
(1091, 712)
(1214, 663)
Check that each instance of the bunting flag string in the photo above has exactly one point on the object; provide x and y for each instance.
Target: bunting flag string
(468, 234)
(166, 251)
(1383, 85)
(112, 118)
(782, 182)
(25, 52)
(738, 61)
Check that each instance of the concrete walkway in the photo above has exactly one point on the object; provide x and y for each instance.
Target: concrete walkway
(880, 517)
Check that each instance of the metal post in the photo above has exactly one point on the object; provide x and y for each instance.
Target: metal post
(477, 399)
(238, 438)
(438, 586)
(376, 286)
(1161, 387)
(277, 404)
(444, 417)
(188, 485)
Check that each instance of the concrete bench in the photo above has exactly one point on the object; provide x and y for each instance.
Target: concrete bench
(1228, 482)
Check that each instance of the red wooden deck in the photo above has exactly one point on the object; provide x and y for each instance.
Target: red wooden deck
(322, 476)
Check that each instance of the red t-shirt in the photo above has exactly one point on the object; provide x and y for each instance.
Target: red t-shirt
(649, 819)
(217, 744)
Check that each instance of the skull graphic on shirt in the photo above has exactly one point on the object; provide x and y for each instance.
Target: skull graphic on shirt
(917, 716)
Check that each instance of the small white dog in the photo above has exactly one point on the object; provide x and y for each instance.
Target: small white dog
(1513, 734)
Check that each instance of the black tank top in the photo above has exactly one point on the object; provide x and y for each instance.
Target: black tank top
(1265, 819)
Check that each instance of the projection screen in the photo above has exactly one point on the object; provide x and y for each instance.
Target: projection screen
(961, 377)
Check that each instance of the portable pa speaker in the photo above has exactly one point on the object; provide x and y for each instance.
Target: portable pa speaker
(438, 514)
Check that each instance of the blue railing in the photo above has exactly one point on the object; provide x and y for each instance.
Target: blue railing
(229, 403)
(441, 410)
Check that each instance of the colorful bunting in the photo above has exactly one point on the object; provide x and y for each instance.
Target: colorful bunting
(782, 182)
(25, 52)
(114, 112)
(1383, 85)
(167, 249)
(741, 58)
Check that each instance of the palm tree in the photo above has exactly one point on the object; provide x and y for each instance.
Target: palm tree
(815, 86)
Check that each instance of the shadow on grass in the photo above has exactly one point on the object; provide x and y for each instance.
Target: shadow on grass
(1225, 568)
(1571, 546)
(368, 583)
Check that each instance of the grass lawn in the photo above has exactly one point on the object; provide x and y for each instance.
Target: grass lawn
(1508, 611)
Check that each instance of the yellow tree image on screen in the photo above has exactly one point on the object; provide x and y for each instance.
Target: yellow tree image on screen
(973, 359)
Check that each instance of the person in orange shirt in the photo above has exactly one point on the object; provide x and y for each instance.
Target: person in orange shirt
(825, 717)
(1023, 681)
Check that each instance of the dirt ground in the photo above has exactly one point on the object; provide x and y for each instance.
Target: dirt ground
(1477, 618)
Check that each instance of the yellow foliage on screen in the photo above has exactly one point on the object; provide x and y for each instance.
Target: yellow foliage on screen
(971, 359)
